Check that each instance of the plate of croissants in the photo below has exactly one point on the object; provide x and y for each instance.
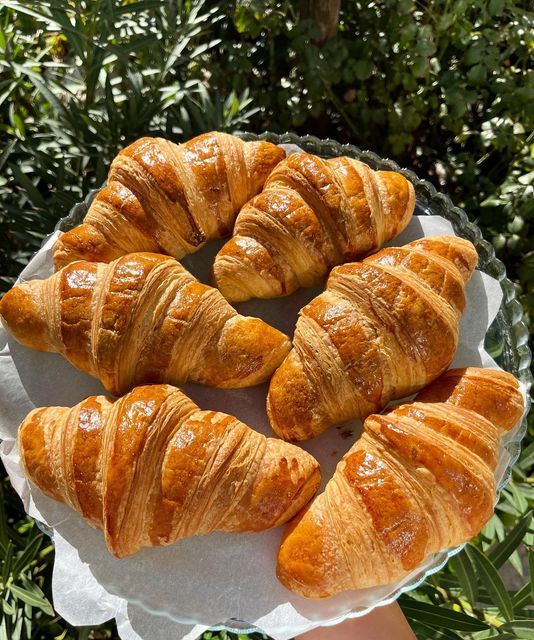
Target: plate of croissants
(247, 378)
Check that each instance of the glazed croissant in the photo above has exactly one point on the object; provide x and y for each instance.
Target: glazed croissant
(142, 318)
(152, 468)
(169, 198)
(312, 214)
(420, 479)
(384, 328)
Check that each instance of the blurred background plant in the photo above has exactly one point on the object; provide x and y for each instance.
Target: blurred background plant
(444, 87)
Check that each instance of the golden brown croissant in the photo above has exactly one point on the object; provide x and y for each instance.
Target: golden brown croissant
(142, 318)
(152, 468)
(169, 198)
(384, 328)
(312, 214)
(420, 479)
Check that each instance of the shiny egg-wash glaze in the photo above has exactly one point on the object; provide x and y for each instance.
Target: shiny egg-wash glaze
(383, 329)
(152, 468)
(419, 480)
(142, 318)
(168, 198)
(312, 214)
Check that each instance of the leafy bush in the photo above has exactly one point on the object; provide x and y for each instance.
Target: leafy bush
(444, 87)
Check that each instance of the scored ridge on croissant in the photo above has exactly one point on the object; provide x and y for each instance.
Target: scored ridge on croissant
(419, 480)
(383, 329)
(151, 468)
(142, 318)
(167, 198)
(311, 215)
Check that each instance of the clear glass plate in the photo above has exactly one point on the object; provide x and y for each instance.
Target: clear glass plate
(506, 339)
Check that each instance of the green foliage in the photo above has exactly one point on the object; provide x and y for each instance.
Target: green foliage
(26, 558)
(79, 81)
(443, 606)
(444, 87)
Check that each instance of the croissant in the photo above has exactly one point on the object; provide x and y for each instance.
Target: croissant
(420, 479)
(142, 318)
(152, 468)
(312, 214)
(169, 198)
(384, 328)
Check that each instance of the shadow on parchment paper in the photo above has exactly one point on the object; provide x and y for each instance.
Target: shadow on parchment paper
(475, 316)
(278, 312)
(58, 383)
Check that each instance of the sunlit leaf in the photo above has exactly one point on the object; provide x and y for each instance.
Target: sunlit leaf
(33, 599)
(523, 597)
(524, 629)
(500, 553)
(531, 570)
(464, 571)
(492, 581)
(439, 616)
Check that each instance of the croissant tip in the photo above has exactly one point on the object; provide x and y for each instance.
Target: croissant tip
(464, 387)
(84, 242)
(22, 314)
(248, 352)
(62, 255)
(460, 251)
(293, 405)
(307, 560)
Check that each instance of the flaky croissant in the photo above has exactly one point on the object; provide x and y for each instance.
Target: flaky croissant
(142, 318)
(169, 198)
(312, 214)
(152, 468)
(419, 480)
(383, 329)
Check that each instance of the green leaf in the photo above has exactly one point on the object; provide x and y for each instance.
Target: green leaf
(519, 499)
(136, 7)
(523, 597)
(515, 561)
(7, 562)
(477, 74)
(444, 634)
(492, 581)
(33, 599)
(526, 459)
(464, 571)
(18, 123)
(17, 6)
(363, 69)
(496, 7)
(440, 617)
(27, 185)
(29, 553)
(28, 621)
(7, 608)
(500, 553)
(5, 155)
(420, 66)
(425, 46)
(524, 629)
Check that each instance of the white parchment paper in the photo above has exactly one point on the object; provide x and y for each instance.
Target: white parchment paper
(178, 591)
